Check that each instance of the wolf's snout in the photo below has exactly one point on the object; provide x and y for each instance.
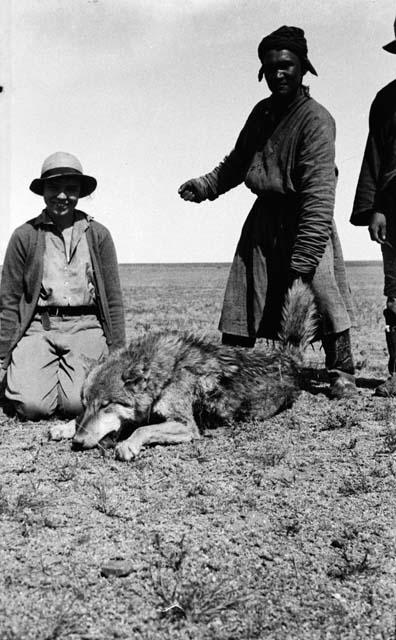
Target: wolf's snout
(94, 426)
(83, 438)
(77, 445)
(82, 442)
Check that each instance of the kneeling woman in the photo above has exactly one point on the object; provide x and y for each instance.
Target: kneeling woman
(60, 296)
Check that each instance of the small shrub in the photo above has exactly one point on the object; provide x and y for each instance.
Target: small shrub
(385, 412)
(103, 501)
(390, 441)
(359, 481)
(349, 563)
(68, 471)
(353, 485)
(196, 600)
(65, 622)
(269, 458)
(352, 556)
(201, 602)
(339, 419)
(30, 499)
(4, 503)
(272, 458)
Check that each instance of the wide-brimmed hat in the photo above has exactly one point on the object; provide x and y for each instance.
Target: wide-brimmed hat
(290, 38)
(391, 46)
(60, 164)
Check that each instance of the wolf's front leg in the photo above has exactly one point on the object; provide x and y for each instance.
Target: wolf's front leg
(64, 430)
(171, 432)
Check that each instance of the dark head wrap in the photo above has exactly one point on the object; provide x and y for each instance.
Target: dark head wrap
(290, 38)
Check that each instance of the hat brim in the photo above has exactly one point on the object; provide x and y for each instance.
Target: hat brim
(390, 47)
(88, 184)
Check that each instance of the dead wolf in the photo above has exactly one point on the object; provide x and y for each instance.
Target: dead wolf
(166, 387)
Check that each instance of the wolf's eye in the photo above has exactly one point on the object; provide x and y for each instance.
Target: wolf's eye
(104, 403)
(134, 380)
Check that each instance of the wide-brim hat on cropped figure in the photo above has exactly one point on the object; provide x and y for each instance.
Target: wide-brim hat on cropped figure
(60, 164)
(391, 46)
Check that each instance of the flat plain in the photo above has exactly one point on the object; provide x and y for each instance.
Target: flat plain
(283, 529)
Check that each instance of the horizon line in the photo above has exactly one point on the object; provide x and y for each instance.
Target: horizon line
(197, 262)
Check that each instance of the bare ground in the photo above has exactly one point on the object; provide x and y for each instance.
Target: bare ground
(282, 529)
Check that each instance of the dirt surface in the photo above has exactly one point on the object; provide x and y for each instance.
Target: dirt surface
(282, 529)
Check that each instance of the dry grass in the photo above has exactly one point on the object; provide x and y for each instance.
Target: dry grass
(277, 530)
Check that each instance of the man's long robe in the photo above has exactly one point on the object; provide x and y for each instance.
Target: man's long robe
(288, 161)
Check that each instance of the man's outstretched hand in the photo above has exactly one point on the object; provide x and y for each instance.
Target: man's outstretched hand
(190, 191)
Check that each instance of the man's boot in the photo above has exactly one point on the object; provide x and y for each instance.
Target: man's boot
(339, 364)
(388, 388)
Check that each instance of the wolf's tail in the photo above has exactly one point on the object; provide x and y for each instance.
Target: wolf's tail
(299, 322)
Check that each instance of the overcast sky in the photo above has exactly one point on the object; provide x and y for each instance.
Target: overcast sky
(148, 93)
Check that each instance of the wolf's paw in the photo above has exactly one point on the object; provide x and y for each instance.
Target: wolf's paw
(126, 450)
(63, 430)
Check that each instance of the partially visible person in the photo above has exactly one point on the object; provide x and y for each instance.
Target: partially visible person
(375, 205)
(60, 296)
(285, 154)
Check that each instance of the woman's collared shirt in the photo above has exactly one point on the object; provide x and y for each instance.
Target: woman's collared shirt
(67, 279)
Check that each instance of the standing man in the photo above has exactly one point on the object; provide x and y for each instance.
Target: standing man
(285, 154)
(375, 205)
(60, 296)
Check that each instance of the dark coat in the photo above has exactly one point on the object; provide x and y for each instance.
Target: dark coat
(376, 187)
(22, 275)
(287, 160)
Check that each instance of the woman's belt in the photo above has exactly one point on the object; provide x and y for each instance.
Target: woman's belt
(81, 310)
(63, 312)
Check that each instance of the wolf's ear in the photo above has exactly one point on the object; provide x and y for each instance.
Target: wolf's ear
(89, 363)
(133, 381)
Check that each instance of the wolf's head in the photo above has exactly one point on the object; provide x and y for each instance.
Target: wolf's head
(114, 392)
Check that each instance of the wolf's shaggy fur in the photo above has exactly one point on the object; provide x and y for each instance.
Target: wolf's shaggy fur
(167, 387)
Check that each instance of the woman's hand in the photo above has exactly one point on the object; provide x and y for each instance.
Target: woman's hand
(377, 227)
(190, 191)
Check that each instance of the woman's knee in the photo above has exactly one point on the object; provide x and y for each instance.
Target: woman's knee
(71, 406)
(33, 408)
